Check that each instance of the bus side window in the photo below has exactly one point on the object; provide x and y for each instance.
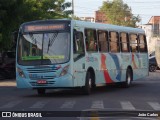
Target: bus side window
(91, 40)
(103, 41)
(133, 43)
(124, 42)
(114, 42)
(78, 45)
(142, 43)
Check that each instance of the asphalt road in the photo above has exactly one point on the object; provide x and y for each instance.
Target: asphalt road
(143, 95)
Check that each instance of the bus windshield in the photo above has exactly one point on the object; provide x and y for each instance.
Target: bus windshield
(43, 48)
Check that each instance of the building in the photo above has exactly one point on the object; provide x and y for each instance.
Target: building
(147, 28)
(100, 17)
(89, 19)
(152, 30)
(155, 22)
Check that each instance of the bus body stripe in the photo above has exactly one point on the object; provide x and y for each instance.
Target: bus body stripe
(134, 62)
(104, 68)
(118, 67)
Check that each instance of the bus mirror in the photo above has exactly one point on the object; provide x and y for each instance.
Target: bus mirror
(74, 31)
(76, 35)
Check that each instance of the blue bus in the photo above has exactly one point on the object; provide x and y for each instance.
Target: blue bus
(77, 54)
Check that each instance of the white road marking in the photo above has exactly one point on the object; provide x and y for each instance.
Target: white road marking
(154, 105)
(11, 104)
(39, 104)
(97, 104)
(68, 104)
(126, 105)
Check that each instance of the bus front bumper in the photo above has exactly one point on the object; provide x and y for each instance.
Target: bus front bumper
(59, 82)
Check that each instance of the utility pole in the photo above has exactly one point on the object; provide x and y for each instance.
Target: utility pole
(159, 27)
(72, 9)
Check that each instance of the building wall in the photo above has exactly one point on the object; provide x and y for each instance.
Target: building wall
(155, 21)
(89, 19)
(152, 33)
(100, 17)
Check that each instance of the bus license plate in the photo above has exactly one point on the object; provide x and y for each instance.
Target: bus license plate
(41, 81)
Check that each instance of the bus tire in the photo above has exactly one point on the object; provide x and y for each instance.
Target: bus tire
(88, 84)
(128, 80)
(41, 91)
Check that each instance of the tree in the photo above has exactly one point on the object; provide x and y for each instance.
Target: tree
(119, 13)
(15, 12)
(76, 18)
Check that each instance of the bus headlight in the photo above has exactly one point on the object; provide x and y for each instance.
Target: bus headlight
(65, 70)
(20, 73)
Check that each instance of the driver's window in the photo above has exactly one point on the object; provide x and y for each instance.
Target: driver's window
(78, 45)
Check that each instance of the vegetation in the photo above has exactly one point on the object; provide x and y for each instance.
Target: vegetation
(15, 12)
(119, 13)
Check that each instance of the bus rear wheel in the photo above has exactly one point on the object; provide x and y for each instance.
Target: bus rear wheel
(88, 84)
(129, 77)
(41, 91)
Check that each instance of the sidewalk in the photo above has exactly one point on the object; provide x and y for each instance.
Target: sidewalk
(8, 82)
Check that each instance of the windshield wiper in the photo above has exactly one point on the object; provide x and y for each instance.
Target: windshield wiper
(33, 39)
(52, 40)
(49, 44)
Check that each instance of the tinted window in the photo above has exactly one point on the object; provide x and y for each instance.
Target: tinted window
(91, 40)
(133, 43)
(124, 42)
(44, 48)
(142, 43)
(103, 41)
(78, 45)
(114, 42)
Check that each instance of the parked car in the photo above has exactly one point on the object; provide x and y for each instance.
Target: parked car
(153, 64)
(7, 65)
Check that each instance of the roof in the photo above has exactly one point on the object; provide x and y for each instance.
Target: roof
(154, 20)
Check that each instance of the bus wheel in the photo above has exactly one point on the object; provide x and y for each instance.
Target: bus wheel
(41, 91)
(128, 81)
(88, 84)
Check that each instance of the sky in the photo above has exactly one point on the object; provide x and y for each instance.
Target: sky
(144, 8)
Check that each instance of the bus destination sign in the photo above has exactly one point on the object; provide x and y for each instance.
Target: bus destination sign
(34, 28)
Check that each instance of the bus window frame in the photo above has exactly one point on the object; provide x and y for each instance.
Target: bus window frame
(137, 47)
(75, 32)
(21, 33)
(118, 41)
(95, 40)
(145, 43)
(107, 40)
(127, 42)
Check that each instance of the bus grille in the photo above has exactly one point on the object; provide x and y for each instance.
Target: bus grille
(41, 70)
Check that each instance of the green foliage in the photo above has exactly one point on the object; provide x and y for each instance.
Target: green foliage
(119, 13)
(15, 12)
(76, 18)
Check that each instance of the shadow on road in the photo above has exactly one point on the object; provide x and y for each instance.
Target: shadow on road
(74, 93)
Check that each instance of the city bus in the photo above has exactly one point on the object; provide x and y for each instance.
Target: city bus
(78, 54)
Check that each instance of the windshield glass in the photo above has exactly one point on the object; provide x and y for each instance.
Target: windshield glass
(44, 48)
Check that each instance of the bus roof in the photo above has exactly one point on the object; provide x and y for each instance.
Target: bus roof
(110, 27)
(100, 26)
